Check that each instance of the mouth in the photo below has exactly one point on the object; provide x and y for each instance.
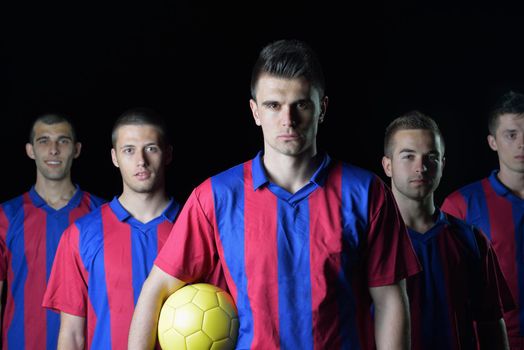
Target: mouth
(419, 181)
(53, 163)
(288, 137)
(143, 175)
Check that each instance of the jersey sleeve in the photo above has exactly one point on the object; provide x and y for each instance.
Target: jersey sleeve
(67, 287)
(389, 252)
(4, 226)
(189, 253)
(494, 296)
(455, 205)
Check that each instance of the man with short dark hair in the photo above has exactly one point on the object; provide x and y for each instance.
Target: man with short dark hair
(31, 226)
(455, 301)
(496, 203)
(103, 258)
(306, 243)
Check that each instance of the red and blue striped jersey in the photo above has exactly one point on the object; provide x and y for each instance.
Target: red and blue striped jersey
(299, 266)
(29, 234)
(490, 206)
(101, 263)
(459, 285)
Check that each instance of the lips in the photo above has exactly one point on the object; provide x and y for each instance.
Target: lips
(53, 163)
(143, 175)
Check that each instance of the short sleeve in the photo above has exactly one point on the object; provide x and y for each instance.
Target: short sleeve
(67, 287)
(455, 205)
(389, 252)
(189, 253)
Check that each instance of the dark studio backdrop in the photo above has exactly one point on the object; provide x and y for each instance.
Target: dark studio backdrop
(192, 62)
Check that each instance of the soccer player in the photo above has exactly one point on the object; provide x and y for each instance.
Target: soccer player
(496, 203)
(31, 226)
(103, 258)
(459, 285)
(306, 243)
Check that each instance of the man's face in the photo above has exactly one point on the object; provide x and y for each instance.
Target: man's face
(416, 163)
(141, 157)
(53, 150)
(289, 111)
(508, 142)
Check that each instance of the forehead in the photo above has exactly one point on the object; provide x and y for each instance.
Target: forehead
(41, 129)
(130, 134)
(510, 121)
(270, 85)
(416, 140)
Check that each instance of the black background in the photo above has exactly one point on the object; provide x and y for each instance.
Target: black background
(192, 61)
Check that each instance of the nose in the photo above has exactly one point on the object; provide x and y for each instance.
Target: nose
(421, 166)
(141, 158)
(288, 117)
(54, 150)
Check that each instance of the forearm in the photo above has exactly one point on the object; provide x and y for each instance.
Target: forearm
(392, 324)
(157, 287)
(72, 332)
(492, 335)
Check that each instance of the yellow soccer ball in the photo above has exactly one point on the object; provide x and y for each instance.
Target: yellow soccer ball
(198, 317)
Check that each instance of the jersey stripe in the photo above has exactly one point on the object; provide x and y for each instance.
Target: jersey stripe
(16, 330)
(97, 295)
(294, 290)
(508, 246)
(119, 279)
(324, 219)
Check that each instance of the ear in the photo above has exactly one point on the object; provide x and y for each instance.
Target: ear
(323, 109)
(254, 110)
(113, 157)
(30, 150)
(386, 164)
(492, 142)
(78, 148)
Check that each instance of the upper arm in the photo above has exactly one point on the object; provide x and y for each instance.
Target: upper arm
(161, 283)
(72, 332)
(389, 293)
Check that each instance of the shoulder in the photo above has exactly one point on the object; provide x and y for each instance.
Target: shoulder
(15, 208)
(94, 201)
(469, 191)
(468, 233)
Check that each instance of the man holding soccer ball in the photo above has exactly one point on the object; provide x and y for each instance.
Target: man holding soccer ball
(306, 243)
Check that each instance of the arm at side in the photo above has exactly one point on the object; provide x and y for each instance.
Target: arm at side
(72, 332)
(493, 335)
(392, 324)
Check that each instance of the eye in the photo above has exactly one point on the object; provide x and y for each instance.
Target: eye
(127, 150)
(272, 105)
(511, 135)
(152, 149)
(303, 105)
(64, 141)
(408, 156)
(433, 158)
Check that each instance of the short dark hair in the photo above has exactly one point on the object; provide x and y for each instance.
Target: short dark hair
(141, 116)
(288, 59)
(510, 103)
(50, 119)
(410, 121)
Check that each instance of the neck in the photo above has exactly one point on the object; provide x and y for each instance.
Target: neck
(290, 172)
(417, 215)
(55, 193)
(514, 181)
(144, 206)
